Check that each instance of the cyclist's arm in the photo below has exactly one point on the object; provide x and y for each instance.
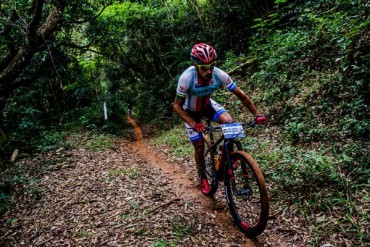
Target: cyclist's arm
(243, 97)
(177, 107)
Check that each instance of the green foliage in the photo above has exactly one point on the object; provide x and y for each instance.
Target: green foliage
(176, 139)
(327, 180)
(162, 243)
(93, 141)
(146, 65)
(29, 123)
(50, 140)
(310, 75)
(316, 69)
(180, 227)
(6, 202)
(232, 60)
(226, 24)
(25, 179)
(99, 143)
(130, 173)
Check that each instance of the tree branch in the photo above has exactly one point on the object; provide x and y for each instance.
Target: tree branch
(164, 205)
(52, 20)
(88, 19)
(242, 66)
(14, 65)
(37, 6)
(74, 45)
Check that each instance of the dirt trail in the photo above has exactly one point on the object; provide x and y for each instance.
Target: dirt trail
(128, 195)
(178, 176)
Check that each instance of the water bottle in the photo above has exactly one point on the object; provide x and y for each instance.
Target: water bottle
(218, 159)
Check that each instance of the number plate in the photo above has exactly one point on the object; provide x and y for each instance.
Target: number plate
(232, 130)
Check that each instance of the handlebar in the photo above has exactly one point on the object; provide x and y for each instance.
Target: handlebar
(209, 130)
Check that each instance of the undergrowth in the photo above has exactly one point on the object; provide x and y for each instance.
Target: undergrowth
(175, 140)
(18, 178)
(327, 186)
(310, 77)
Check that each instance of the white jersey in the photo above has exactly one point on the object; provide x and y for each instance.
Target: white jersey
(197, 91)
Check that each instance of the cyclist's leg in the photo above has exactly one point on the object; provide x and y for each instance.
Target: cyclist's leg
(198, 143)
(199, 158)
(225, 118)
(220, 114)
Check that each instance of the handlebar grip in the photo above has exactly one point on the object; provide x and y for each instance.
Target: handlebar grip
(252, 124)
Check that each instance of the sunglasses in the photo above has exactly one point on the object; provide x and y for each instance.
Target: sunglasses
(206, 67)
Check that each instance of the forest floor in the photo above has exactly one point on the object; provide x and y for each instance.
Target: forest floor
(130, 195)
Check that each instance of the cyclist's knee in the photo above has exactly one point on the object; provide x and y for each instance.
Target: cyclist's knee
(225, 118)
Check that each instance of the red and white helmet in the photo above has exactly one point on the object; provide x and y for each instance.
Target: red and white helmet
(203, 54)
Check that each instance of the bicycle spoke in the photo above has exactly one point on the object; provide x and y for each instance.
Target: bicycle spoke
(246, 202)
(247, 196)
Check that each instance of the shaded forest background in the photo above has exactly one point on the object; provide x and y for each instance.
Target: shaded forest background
(305, 63)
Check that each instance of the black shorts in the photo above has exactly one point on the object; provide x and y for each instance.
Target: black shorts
(212, 112)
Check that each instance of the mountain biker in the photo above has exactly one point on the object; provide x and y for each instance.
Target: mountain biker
(193, 101)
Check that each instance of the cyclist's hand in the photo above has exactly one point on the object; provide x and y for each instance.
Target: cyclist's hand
(260, 119)
(199, 127)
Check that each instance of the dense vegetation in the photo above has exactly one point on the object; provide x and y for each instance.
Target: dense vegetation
(305, 63)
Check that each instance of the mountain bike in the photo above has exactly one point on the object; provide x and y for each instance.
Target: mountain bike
(244, 184)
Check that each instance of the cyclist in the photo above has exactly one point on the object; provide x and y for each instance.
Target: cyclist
(193, 101)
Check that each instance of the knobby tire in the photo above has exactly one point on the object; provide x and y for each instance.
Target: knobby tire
(246, 194)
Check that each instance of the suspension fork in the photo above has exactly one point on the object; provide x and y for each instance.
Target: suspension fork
(228, 149)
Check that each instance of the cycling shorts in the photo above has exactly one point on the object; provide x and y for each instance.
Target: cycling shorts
(212, 111)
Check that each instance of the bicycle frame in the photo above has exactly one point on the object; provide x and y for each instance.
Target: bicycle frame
(227, 145)
(244, 184)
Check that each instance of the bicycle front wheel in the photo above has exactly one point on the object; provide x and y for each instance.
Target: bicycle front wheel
(210, 174)
(246, 194)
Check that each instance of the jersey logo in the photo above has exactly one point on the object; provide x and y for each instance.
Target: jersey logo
(182, 89)
(204, 91)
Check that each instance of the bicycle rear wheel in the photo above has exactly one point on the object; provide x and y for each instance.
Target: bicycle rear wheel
(246, 194)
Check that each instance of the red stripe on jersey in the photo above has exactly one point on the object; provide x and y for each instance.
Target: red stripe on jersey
(199, 104)
(202, 102)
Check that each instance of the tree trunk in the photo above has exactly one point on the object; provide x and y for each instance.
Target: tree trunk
(17, 59)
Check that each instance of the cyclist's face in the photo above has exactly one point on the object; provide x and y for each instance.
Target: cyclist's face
(206, 71)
